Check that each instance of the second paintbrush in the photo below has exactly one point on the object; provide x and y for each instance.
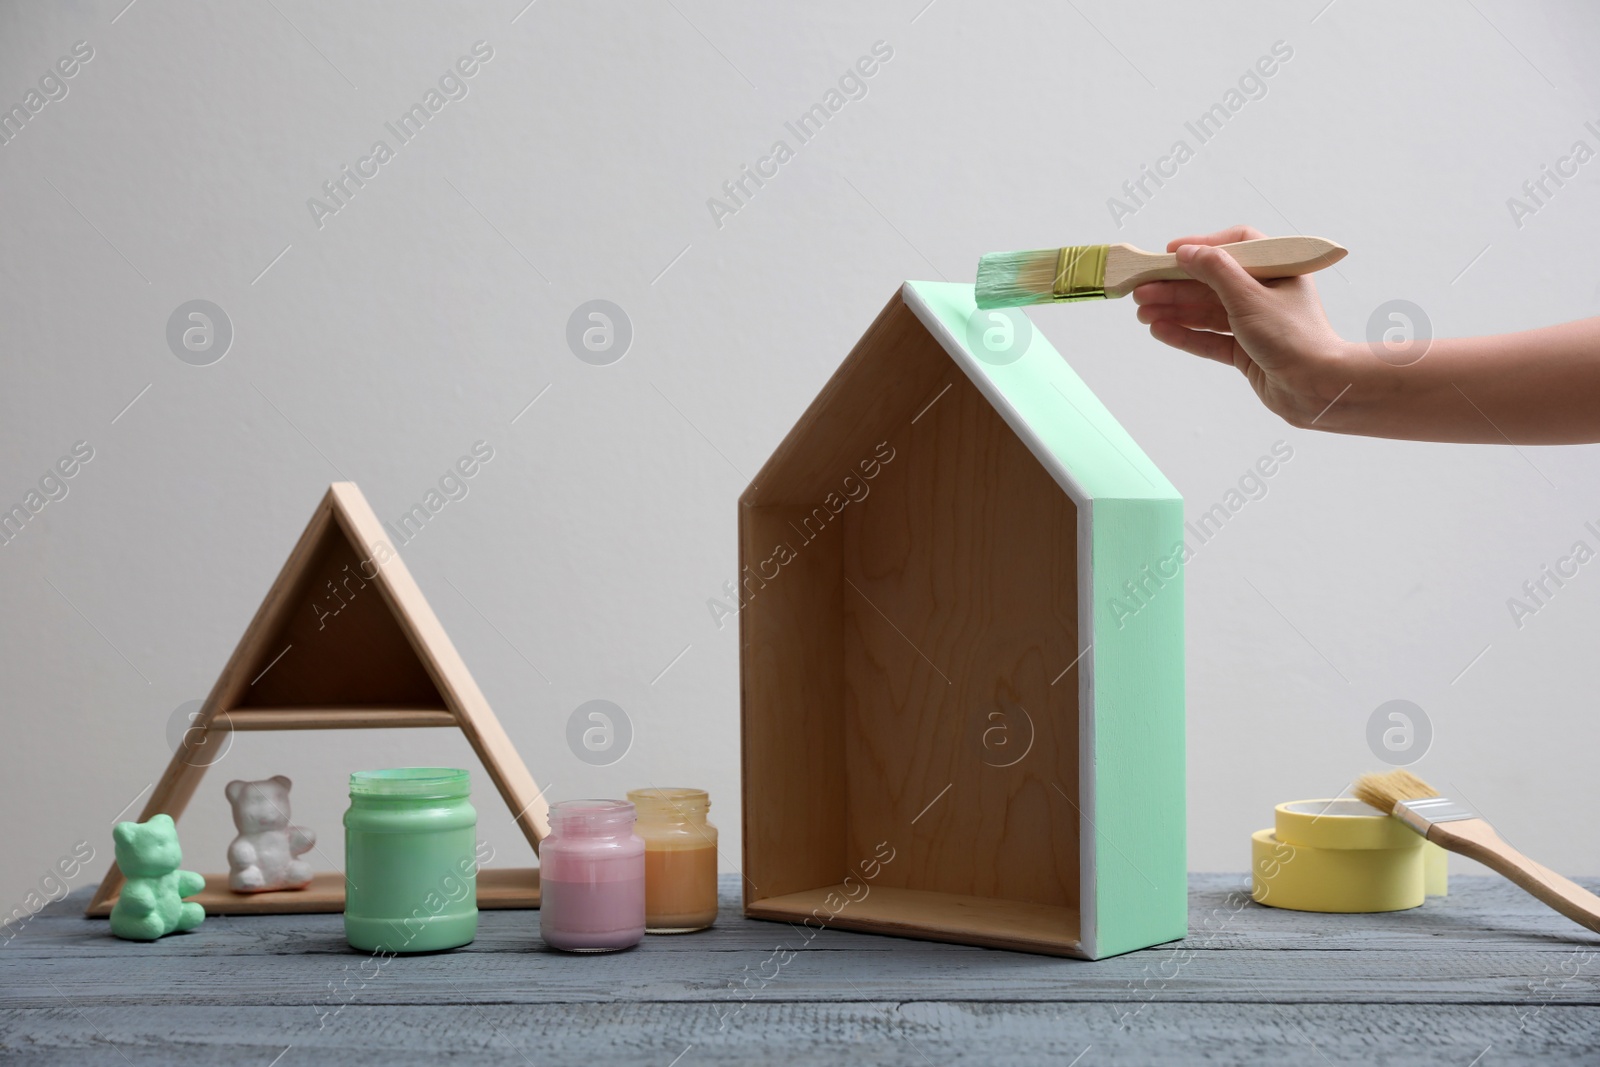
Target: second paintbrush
(1099, 272)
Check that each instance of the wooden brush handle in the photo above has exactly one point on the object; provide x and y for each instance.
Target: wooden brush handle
(1477, 840)
(1267, 257)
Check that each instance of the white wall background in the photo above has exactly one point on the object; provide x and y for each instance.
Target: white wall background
(427, 313)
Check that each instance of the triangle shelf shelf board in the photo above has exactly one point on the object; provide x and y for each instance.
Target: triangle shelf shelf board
(345, 597)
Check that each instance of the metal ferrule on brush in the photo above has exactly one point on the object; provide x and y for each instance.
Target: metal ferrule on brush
(1423, 813)
(1080, 273)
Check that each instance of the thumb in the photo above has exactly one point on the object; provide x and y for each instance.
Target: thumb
(1238, 292)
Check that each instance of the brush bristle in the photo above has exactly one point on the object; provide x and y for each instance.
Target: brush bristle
(1016, 279)
(1384, 791)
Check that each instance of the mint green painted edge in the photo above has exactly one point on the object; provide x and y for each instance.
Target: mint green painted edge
(1141, 873)
(1058, 407)
(1132, 676)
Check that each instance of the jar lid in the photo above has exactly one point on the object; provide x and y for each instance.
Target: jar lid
(417, 783)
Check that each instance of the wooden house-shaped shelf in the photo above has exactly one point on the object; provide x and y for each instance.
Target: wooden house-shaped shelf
(961, 652)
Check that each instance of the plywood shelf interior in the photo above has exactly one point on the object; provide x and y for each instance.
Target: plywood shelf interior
(345, 639)
(1047, 929)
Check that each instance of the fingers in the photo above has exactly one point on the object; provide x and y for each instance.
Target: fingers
(1195, 316)
(1221, 237)
(1195, 342)
(1186, 292)
(1239, 293)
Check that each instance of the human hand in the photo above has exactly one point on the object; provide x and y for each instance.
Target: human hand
(1274, 332)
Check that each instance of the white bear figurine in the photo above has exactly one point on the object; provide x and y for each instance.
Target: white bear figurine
(262, 857)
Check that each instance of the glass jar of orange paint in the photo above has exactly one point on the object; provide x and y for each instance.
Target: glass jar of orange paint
(680, 859)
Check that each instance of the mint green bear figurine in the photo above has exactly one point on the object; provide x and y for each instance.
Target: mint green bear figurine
(151, 904)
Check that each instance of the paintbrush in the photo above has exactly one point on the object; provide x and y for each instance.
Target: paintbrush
(1453, 826)
(1103, 272)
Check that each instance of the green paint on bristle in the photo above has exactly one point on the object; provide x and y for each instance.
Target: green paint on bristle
(999, 280)
(997, 273)
(1016, 279)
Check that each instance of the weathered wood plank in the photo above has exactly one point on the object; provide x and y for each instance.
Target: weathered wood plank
(1483, 914)
(889, 1033)
(535, 976)
(1488, 968)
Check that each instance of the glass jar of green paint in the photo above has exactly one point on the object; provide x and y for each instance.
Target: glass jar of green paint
(410, 861)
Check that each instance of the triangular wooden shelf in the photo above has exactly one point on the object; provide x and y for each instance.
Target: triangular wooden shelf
(346, 640)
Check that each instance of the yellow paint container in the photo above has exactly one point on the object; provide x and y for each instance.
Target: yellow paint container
(1340, 856)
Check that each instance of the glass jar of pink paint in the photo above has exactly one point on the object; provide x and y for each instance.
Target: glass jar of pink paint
(591, 877)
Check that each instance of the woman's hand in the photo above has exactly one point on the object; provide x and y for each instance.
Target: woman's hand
(1274, 332)
(1535, 387)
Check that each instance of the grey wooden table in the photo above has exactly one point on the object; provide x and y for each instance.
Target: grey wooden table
(1484, 977)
